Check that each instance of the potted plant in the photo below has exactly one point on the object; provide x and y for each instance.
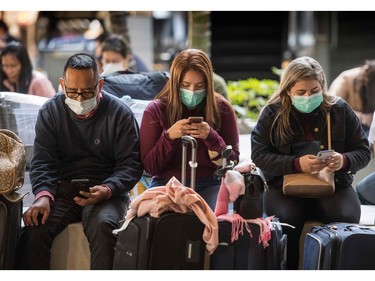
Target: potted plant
(248, 98)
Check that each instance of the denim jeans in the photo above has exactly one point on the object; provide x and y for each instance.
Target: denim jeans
(366, 190)
(207, 187)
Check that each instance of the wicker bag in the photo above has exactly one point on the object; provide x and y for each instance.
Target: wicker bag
(308, 185)
(12, 162)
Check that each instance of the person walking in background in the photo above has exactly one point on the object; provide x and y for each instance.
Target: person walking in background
(189, 92)
(286, 139)
(17, 74)
(357, 87)
(88, 135)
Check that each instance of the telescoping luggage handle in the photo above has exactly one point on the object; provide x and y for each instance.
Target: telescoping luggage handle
(227, 165)
(186, 140)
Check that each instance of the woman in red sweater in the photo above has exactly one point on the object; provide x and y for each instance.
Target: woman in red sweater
(189, 92)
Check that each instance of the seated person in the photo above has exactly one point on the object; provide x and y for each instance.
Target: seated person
(80, 134)
(286, 139)
(189, 92)
(357, 87)
(116, 55)
(17, 75)
(366, 187)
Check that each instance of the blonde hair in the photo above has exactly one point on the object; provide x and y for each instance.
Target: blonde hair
(190, 59)
(303, 68)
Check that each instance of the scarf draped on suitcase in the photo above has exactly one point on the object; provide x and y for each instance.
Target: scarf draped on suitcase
(176, 198)
(232, 186)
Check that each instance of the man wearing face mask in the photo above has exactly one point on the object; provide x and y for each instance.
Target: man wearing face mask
(116, 55)
(81, 134)
(189, 92)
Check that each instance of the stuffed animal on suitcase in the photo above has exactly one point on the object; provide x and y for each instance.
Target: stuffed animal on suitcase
(168, 227)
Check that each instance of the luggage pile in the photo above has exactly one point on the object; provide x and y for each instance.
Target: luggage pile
(12, 172)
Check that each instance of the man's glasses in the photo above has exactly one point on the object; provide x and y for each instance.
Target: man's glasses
(86, 94)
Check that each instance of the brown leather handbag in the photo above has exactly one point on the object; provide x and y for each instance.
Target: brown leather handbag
(12, 162)
(308, 185)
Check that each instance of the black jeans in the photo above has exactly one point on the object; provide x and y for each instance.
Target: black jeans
(343, 206)
(98, 223)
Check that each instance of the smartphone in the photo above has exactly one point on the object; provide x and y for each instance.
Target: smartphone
(324, 154)
(195, 119)
(80, 185)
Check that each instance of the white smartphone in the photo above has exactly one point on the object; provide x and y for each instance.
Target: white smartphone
(324, 154)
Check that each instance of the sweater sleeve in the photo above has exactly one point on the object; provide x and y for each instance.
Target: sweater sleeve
(264, 154)
(44, 165)
(41, 86)
(156, 148)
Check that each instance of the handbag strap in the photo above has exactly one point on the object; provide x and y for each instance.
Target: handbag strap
(329, 129)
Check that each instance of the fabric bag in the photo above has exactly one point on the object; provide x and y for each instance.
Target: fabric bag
(311, 185)
(250, 204)
(137, 85)
(12, 162)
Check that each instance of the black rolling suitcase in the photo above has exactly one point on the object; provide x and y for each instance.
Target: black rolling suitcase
(10, 229)
(172, 241)
(341, 246)
(246, 252)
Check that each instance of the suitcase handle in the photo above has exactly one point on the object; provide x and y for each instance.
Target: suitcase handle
(227, 165)
(186, 140)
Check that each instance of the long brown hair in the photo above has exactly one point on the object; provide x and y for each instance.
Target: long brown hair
(190, 59)
(303, 68)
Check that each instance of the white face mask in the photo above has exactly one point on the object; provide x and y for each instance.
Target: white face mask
(82, 108)
(112, 67)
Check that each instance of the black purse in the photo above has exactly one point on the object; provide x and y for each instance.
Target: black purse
(250, 204)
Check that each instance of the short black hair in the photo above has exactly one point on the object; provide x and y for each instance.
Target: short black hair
(118, 44)
(82, 61)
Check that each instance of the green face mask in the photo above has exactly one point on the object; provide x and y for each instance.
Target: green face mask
(192, 98)
(307, 104)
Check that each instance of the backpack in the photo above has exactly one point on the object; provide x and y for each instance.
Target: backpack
(137, 85)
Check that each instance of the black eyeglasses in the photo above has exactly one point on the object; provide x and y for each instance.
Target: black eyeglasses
(86, 94)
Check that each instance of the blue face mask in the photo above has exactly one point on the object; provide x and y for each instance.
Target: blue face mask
(192, 98)
(307, 104)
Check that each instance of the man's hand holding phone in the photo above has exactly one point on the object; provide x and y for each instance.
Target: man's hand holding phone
(80, 185)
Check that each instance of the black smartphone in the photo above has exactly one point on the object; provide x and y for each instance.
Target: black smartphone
(80, 185)
(195, 119)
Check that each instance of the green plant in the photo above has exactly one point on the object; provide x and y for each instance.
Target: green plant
(250, 95)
